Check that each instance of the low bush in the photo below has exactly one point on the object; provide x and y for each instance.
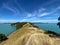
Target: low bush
(3, 37)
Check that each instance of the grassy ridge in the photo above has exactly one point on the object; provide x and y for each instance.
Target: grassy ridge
(19, 24)
(30, 35)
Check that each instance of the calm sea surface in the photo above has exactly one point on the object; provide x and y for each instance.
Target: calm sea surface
(49, 26)
(7, 28)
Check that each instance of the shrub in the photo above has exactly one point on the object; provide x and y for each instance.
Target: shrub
(52, 33)
(3, 37)
(18, 24)
(58, 18)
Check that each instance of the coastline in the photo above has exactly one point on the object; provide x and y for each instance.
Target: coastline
(27, 35)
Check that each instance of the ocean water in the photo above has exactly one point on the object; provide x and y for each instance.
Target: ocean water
(6, 29)
(49, 26)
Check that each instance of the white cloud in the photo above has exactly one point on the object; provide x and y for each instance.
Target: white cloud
(9, 8)
(30, 20)
(58, 7)
(48, 13)
(46, 21)
(40, 12)
(20, 8)
(23, 20)
(49, 3)
(29, 15)
(8, 21)
(37, 20)
(55, 9)
(14, 10)
(44, 14)
(35, 13)
(41, 9)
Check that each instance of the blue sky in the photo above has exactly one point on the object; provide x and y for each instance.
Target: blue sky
(29, 10)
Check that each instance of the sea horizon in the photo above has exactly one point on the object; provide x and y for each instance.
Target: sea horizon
(6, 28)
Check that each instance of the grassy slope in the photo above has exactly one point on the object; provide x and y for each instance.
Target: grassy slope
(29, 35)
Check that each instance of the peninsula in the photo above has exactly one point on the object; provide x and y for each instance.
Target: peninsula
(28, 34)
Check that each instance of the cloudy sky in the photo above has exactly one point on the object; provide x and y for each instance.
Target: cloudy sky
(29, 10)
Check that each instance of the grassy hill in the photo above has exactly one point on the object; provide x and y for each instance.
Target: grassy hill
(30, 35)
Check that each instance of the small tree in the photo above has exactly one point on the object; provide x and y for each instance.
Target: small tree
(18, 24)
(58, 18)
(58, 22)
